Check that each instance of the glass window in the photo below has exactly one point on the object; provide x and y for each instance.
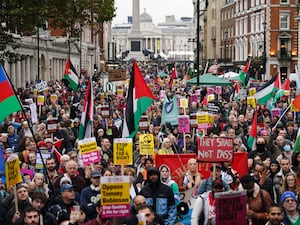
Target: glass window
(284, 21)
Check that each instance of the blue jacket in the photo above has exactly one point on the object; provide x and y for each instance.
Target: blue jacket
(161, 198)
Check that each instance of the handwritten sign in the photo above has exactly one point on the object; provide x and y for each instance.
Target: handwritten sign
(231, 207)
(12, 171)
(146, 142)
(115, 198)
(89, 151)
(184, 124)
(215, 149)
(123, 151)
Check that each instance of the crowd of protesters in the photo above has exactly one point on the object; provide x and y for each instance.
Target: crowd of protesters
(52, 195)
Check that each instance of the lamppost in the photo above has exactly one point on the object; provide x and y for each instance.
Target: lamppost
(264, 59)
(225, 47)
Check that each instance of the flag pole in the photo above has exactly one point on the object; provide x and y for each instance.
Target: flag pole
(31, 130)
(283, 114)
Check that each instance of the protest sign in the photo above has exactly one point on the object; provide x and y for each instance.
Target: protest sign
(39, 160)
(88, 150)
(231, 207)
(193, 120)
(202, 118)
(146, 142)
(194, 98)
(105, 111)
(183, 103)
(123, 151)
(215, 149)
(184, 124)
(143, 123)
(41, 100)
(52, 124)
(41, 86)
(12, 171)
(218, 90)
(115, 198)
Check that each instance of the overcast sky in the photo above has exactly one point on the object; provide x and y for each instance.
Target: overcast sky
(157, 9)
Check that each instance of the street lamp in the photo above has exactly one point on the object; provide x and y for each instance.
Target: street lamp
(264, 59)
(225, 46)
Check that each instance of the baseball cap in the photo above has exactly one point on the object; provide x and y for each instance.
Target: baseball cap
(96, 173)
(288, 194)
(66, 187)
(217, 183)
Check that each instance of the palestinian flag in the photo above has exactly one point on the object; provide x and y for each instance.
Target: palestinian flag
(296, 102)
(297, 142)
(139, 98)
(265, 93)
(71, 75)
(9, 102)
(244, 72)
(86, 123)
(253, 132)
(236, 92)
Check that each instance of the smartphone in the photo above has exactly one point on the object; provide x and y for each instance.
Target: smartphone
(76, 208)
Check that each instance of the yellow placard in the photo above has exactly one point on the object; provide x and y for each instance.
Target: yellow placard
(40, 100)
(120, 91)
(211, 119)
(123, 151)
(114, 193)
(87, 145)
(202, 118)
(12, 172)
(210, 97)
(252, 91)
(35, 92)
(146, 142)
(53, 98)
(251, 101)
(184, 103)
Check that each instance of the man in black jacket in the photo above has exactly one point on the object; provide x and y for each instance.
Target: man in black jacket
(160, 197)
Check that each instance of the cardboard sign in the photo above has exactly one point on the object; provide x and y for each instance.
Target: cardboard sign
(115, 198)
(146, 142)
(89, 151)
(184, 124)
(12, 171)
(215, 149)
(231, 207)
(123, 151)
(116, 75)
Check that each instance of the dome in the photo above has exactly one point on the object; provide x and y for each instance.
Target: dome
(145, 17)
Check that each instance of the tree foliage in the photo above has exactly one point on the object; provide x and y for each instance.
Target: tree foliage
(23, 17)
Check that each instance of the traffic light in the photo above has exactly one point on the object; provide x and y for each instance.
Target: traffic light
(95, 68)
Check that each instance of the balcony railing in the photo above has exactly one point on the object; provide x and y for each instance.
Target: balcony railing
(284, 55)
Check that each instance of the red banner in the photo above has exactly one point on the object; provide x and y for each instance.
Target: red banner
(178, 164)
(215, 149)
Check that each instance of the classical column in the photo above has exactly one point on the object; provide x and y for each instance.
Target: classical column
(135, 16)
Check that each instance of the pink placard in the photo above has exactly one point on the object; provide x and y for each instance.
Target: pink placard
(194, 98)
(184, 124)
(276, 112)
(90, 157)
(210, 91)
(218, 90)
(111, 211)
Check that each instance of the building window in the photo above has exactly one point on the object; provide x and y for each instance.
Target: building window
(284, 1)
(284, 21)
